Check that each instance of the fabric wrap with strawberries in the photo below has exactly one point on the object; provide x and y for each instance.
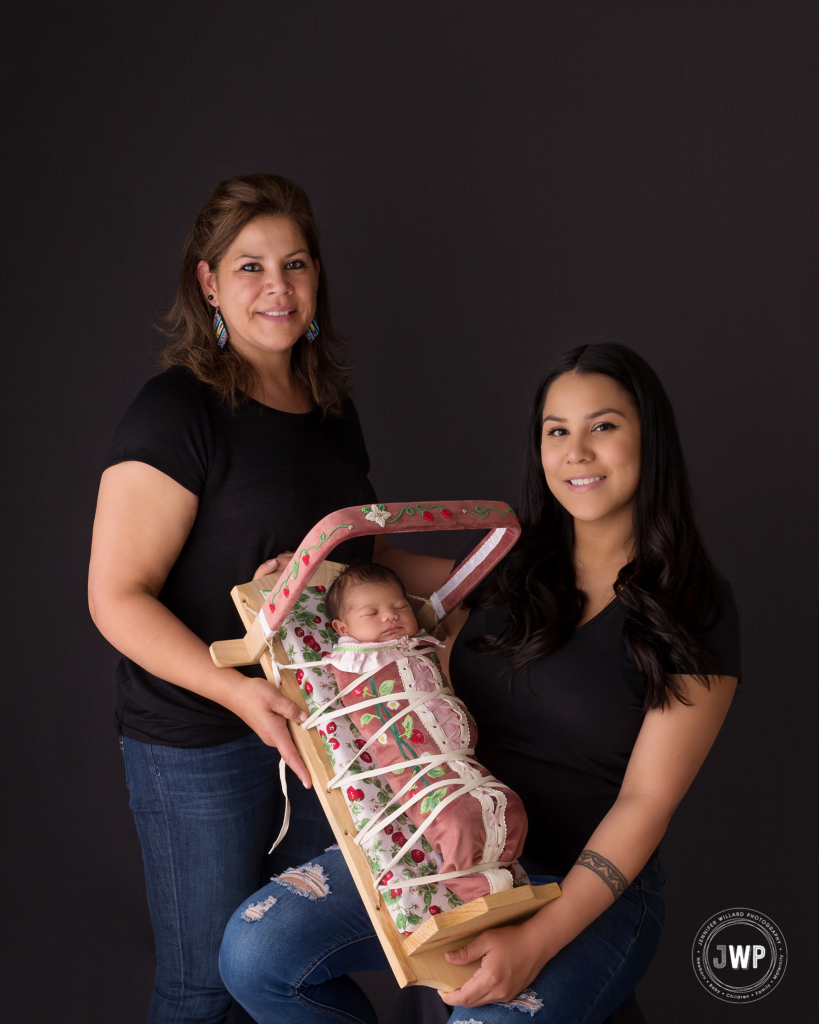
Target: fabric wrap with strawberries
(483, 825)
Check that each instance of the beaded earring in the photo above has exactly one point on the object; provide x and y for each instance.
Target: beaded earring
(312, 330)
(219, 328)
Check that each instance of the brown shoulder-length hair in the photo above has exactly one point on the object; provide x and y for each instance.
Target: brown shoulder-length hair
(319, 365)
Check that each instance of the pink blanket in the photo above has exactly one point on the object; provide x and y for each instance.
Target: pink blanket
(487, 824)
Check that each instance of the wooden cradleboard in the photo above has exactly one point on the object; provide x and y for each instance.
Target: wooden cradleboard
(264, 604)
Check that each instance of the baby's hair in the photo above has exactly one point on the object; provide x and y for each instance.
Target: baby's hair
(354, 576)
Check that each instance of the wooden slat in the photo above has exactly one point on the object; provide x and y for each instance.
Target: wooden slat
(230, 654)
(451, 928)
(424, 964)
(233, 653)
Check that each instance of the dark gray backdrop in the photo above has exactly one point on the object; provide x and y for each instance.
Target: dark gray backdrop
(495, 183)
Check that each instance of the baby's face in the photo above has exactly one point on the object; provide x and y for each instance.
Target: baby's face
(376, 612)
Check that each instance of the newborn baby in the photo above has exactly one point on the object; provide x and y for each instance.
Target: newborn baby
(378, 633)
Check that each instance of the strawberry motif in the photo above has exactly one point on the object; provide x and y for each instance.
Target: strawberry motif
(358, 692)
(434, 910)
(319, 590)
(298, 631)
(360, 743)
(399, 838)
(395, 893)
(367, 758)
(305, 559)
(386, 878)
(322, 733)
(317, 619)
(299, 675)
(446, 513)
(334, 744)
(359, 794)
(428, 516)
(417, 736)
(286, 592)
(331, 727)
(417, 856)
(272, 607)
(351, 792)
(308, 687)
(389, 829)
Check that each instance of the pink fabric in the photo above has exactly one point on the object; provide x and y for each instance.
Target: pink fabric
(482, 825)
(394, 517)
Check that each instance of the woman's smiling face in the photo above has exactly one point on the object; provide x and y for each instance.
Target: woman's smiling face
(265, 286)
(590, 447)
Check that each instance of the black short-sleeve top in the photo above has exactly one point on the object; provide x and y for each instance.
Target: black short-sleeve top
(564, 741)
(263, 479)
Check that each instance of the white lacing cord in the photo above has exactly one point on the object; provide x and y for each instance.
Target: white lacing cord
(461, 754)
(275, 667)
(462, 787)
(286, 822)
(376, 824)
(466, 754)
(405, 883)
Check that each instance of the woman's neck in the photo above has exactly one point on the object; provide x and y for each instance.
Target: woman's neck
(605, 542)
(601, 549)
(277, 386)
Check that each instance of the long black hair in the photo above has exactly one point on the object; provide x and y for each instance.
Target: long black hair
(669, 587)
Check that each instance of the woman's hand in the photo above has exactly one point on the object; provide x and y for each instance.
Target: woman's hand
(511, 962)
(260, 705)
(670, 748)
(273, 564)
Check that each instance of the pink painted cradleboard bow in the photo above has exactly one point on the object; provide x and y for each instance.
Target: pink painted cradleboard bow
(360, 521)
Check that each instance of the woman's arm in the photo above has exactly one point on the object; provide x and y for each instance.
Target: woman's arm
(670, 749)
(421, 575)
(143, 520)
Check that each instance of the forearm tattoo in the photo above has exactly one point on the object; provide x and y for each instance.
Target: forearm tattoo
(614, 879)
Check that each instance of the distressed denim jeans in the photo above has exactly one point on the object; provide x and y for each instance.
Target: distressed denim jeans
(287, 952)
(205, 818)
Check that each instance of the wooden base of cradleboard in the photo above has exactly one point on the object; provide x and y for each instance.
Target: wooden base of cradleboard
(417, 959)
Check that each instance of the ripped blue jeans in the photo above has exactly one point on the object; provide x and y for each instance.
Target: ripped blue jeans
(206, 817)
(288, 949)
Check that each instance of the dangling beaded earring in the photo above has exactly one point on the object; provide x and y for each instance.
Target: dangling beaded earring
(219, 328)
(312, 331)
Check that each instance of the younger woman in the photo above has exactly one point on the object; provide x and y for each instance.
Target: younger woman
(599, 661)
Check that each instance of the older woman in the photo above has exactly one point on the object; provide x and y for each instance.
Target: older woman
(231, 455)
(599, 661)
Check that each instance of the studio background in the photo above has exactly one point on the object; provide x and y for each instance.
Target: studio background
(495, 183)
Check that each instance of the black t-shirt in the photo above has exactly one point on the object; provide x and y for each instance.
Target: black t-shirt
(263, 479)
(563, 742)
